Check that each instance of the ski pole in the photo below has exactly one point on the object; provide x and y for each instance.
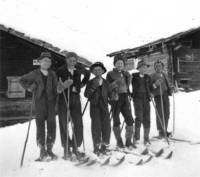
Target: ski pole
(124, 120)
(163, 114)
(82, 116)
(67, 128)
(112, 110)
(72, 123)
(28, 130)
(122, 127)
(85, 107)
(69, 118)
(159, 118)
(110, 115)
(174, 114)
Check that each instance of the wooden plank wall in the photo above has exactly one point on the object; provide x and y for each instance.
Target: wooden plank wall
(188, 54)
(152, 58)
(188, 68)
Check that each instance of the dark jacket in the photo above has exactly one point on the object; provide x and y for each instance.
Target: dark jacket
(95, 93)
(112, 78)
(135, 84)
(156, 91)
(33, 81)
(64, 74)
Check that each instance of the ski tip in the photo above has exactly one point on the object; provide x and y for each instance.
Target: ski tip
(159, 153)
(145, 151)
(148, 159)
(82, 162)
(92, 162)
(42, 160)
(169, 156)
(106, 162)
(119, 162)
(140, 162)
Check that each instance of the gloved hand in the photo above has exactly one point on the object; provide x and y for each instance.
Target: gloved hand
(113, 85)
(130, 98)
(63, 85)
(151, 95)
(60, 87)
(114, 95)
(32, 87)
(67, 83)
(157, 83)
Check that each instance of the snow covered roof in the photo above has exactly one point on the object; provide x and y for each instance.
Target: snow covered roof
(150, 47)
(41, 43)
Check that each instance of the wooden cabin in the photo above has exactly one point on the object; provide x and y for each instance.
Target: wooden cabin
(180, 54)
(18, 55)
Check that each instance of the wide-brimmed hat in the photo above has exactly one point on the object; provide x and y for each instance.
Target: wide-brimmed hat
(98, 64)
(44, 55)
(142, 63)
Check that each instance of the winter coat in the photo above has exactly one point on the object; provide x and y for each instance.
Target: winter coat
(64, 74)
(135, 85)
(154, 77)
(33, 81)
(94, 93)
(114, 79)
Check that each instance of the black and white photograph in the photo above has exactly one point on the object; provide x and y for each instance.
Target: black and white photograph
(99, 88)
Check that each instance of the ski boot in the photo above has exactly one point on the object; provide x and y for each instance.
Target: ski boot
(118, 137)
(50, 152)
(146, 136)
(104, 148)
(96, 149)
(67, 154)
(78, 154)
(129, 135)
(43, 154)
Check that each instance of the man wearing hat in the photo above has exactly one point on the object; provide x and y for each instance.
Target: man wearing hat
(141, 85)
(161, 91)
(70, 79)
(119, 81)
(42, 82)
(97, 91)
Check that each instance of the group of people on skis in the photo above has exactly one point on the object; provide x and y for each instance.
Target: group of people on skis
(63, 88)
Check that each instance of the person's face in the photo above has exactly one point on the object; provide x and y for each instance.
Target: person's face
(71, 62)
(45, 63)
(142, 69)
(119, 65)
(159, 68)
(97, 71)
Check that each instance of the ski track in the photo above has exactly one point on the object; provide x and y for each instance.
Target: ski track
(184, 162)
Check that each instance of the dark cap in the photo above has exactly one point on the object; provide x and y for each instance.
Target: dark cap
(70, 55)
(44, 55)
(157, 63)
(117, 58)
(142, 63)
(98, 64)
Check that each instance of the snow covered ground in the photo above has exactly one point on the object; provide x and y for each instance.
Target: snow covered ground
(93, 29)
(184, 163)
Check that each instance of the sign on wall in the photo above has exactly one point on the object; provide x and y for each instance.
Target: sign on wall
(36, 62)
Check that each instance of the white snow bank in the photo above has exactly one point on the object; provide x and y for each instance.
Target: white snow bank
(184, 163)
